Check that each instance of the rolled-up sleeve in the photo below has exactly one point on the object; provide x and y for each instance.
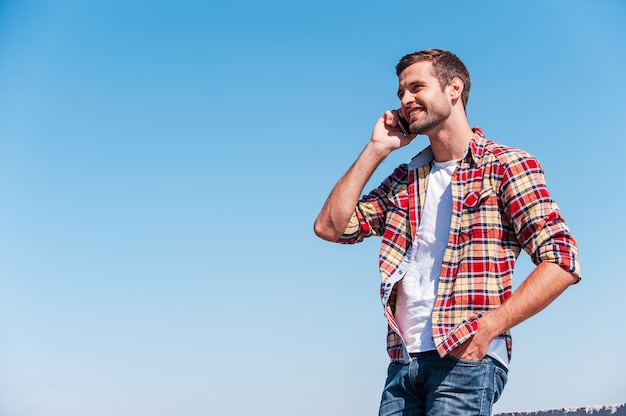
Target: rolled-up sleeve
(540, 227)
(370, 215)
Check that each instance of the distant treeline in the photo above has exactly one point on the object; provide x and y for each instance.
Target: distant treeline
(609, 410)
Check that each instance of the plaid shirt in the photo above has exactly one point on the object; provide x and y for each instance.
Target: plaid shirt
(500, 206)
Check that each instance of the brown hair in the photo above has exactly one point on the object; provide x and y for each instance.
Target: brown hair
(446, 64)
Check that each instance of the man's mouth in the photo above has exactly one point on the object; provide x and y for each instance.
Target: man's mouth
(414, 112)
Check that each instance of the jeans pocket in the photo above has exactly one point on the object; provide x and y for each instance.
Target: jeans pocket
(466, 362)
(500, 379)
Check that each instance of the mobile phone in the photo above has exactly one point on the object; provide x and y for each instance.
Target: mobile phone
(404, 125)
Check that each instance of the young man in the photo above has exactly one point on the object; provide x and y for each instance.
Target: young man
(453, 221)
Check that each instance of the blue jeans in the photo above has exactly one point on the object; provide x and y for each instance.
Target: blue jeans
(435, 386)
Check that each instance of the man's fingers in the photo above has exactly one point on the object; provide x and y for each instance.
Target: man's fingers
(390, 118)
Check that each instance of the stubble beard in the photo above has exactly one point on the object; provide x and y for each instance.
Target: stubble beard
(434, 117)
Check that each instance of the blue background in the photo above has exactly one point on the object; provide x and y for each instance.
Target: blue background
(162, 163)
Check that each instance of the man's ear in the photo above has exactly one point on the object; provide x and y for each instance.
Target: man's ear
(456, 88)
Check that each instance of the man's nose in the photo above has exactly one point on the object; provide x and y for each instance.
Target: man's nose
(407, 98)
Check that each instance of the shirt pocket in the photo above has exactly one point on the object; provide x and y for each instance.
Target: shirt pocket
(481, 213)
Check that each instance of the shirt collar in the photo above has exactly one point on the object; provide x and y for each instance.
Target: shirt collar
(476, 148)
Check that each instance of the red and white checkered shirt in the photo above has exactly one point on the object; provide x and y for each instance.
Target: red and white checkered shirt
(500, 206)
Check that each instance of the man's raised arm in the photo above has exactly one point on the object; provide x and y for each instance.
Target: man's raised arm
(338, 208)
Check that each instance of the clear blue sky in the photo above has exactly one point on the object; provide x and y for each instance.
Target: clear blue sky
(162, 162)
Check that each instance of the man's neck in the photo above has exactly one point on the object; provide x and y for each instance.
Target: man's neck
(450, 141)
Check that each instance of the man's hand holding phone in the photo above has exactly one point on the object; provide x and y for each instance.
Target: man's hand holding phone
(392, 131)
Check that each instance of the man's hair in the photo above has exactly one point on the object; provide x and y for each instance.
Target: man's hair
(446, 65)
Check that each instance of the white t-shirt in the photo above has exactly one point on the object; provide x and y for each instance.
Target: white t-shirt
(418, 289)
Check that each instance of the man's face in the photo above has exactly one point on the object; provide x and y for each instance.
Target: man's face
(424, 104)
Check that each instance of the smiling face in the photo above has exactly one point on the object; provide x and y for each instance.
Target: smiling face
(424, 103)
